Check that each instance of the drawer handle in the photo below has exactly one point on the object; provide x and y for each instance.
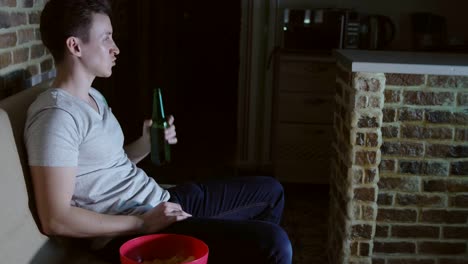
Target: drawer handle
(314, 101)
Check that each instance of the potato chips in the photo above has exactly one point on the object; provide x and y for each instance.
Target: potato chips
(174, 260)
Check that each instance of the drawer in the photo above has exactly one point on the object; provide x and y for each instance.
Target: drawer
(307, 108)
(307, 76)
(302, 153)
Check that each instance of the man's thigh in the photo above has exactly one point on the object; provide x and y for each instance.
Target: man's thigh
(236, 198)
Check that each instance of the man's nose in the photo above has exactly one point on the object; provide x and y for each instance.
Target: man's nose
(115, 50)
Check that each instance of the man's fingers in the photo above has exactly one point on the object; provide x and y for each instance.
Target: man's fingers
(172, 206)
(174, 209)
(170, 129)
(170, 136)
(180, 218)
(177, 218)
(178, 213)
(171, 120)
(170, 133)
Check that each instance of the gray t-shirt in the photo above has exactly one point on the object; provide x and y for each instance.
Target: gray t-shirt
(64, 131)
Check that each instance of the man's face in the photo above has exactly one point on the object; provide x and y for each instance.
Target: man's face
(99, 54)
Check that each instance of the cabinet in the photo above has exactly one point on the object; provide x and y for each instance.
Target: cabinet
(303, 104)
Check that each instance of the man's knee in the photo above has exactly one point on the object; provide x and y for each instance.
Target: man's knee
(271, 184)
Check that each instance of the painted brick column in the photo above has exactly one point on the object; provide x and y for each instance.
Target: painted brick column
(353, 185)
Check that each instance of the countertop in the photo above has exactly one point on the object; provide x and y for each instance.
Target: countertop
(403, 62)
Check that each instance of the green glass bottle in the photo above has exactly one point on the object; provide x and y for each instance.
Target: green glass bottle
(160, 148)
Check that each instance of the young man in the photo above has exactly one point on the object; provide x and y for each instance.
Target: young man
(87, 184)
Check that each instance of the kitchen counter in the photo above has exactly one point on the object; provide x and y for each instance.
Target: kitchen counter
(403, 62)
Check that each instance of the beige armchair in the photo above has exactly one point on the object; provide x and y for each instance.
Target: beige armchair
(20, 238)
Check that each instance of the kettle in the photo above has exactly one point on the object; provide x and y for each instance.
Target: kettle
(377, 32)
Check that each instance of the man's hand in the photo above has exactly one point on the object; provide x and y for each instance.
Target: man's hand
(141, 147)
(161, 216)
(169, 132)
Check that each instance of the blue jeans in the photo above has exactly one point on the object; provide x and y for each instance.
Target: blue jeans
(237, 218)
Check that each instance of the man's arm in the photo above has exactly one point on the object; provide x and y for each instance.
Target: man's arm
(53, 189)
(138, 149)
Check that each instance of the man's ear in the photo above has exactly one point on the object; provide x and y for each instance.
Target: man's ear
(73, 46)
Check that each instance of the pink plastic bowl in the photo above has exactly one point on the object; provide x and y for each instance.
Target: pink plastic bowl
(163, 246)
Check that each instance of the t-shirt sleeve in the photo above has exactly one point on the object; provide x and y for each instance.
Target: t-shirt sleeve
(52, 139)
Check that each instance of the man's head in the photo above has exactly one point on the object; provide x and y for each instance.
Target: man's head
(62, 19)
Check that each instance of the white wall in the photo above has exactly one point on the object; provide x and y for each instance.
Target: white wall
(456, 12)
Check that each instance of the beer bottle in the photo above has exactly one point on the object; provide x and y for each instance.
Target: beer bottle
(160, 148)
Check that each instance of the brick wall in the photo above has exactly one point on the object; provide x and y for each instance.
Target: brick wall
(353, 207)
(399, 186)
(423, 187)
(24, 61)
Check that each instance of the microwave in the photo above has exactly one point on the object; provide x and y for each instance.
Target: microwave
(320, 29)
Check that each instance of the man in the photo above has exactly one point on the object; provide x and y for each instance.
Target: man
(87, 184)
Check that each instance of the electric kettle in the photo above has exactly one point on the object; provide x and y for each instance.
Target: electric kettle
(377, 32)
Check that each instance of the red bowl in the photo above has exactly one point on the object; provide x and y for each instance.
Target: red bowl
(163, 246)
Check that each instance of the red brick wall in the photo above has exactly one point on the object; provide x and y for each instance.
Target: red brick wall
(399, 183)
(22, 54)
(423, 188)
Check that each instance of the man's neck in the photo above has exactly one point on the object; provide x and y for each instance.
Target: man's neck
(74, 81)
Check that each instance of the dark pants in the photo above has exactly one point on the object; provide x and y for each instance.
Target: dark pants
(237, 218)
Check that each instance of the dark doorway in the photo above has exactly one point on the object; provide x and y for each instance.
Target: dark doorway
(199, 64)
(192, 53)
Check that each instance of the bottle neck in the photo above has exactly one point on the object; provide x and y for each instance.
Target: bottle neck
(158, 108)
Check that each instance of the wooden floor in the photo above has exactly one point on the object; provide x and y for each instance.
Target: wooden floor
(305, 220)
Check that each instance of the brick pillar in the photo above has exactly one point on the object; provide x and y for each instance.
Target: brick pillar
(353, 185)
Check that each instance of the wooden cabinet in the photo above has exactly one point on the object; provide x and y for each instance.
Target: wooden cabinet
(302, 126)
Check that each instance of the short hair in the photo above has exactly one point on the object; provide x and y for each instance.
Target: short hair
(61, 19)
